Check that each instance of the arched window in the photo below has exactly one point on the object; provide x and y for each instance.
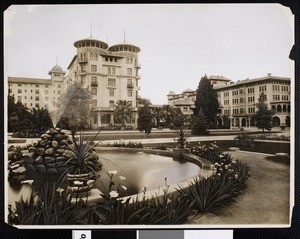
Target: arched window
(284, 108)
(108, 70)
(274, 108)
(278, 108)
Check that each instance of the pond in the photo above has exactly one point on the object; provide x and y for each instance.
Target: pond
(140, 170)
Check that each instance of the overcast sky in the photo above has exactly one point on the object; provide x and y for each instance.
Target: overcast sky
(179, 43)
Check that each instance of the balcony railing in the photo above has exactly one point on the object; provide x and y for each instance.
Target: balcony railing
(130, 85)
(94, 83)
(82, 60)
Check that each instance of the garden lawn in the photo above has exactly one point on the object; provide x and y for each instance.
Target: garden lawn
(265, 200)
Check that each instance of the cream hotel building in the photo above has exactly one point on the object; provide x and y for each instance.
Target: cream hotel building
(237, 100)
(111, 73)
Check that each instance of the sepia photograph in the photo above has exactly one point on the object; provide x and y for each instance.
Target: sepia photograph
(149, 115)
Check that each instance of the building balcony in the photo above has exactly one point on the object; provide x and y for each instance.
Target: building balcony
(94, 83)
(138, 65)
(82, 60)
(130, 85)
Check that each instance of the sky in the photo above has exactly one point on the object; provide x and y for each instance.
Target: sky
(179, 43)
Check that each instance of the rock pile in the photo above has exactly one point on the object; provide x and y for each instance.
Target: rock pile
(48, 155)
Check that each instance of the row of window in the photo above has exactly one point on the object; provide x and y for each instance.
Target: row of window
(36, 91)
(111, 92)
(110, 70)
(283, 97)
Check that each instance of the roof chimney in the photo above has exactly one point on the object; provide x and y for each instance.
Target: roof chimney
(269, 74)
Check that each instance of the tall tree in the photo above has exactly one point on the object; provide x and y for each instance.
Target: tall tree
(180, 123)
(123, 112)
(143, 101)
(16, 110)
(207, 99)
(74, 108)
(40, 120)
(169, 112)
(263, 116)
(158, 114)
(199, 123)
(145, 120)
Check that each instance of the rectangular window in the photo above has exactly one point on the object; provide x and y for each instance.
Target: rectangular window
(129, 71)
(46, 92)
(111, 93)
(94, 91)
(105, 119)
(37, 105)
(129, 93)
(235, 92)
(111, 82)
(94, 103)
(25, 90)
(19, 84)
(19, 91)
(59, 92)
(83, 68)
(59, 85)
(95, 119)
(37, 98)
(37, 85)
(46, 86)
(93, 68)
(111, 104)
(37, 91)
(19, 98)
(46, 98)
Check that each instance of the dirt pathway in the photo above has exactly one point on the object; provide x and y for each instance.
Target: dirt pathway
(266, 199)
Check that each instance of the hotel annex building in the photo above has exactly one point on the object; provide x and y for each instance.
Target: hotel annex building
(237, 100)
(110, 73)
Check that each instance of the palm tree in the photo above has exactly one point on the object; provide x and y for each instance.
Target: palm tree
(123, 111)
(40, 119)
(158, 114)
(169, 112)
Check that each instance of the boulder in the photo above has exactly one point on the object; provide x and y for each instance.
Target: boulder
(49, 159)
(51, 165)
(20, 170)
(54, 144)
(49, 151)
(30, 168)
(42, 143)
(60, 151)
(28, 158)
(39, 160)
(41, 168)
(40, 151)
(45, 136)
(52, 171)
(68, 154)
(60, 158)
(59, 136)
(32, 149)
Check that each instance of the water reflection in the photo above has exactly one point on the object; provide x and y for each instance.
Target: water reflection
(139, 169)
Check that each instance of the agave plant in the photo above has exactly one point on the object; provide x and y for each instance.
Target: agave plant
(81, 154)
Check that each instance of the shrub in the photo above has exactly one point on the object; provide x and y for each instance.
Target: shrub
(219, 190)
(244, 140)
(160, 147)
(122, 144)
(211, 152)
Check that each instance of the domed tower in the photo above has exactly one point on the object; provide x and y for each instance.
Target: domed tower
(128, 50)
(57, 76)
(57, 73)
